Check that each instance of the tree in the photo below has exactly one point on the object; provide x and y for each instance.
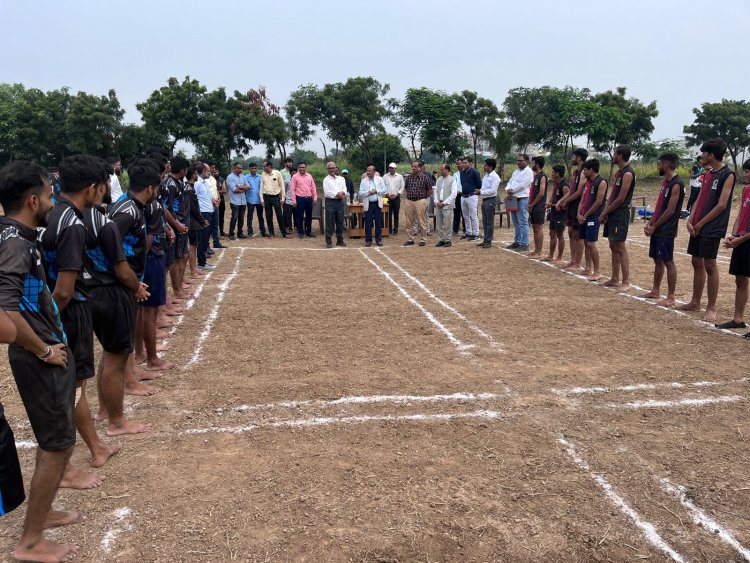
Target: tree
(92, 123)
(132, 141)
(171, 110)
(384, 148)
(728, 119)
(410, 116)
(273, 130)
(480, 115)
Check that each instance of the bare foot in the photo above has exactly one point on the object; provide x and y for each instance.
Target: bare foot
(140, 390)
(572, 267)
(650, 295)
(159, 364)
(139, 359)
(596, 276)
(668, 302)
(183, 295)
(690, 307)
(186, 284)
(127, 427)
(710, 315)
(164, 324)
(611, 282)
(57, 518)
(101, 414)
(162, 347)
(624, 288)
(586, 272)
(46, 552)
(557, 261)
(547, 259)
(77, 479)
(149, 375)
(161, 334)
(103, 453)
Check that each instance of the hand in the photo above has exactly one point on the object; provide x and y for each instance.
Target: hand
(581, 219)
(141, 294)
(182, 229)
(732, 242)
(294, 206)
(373, 192)
(648, 230)
(205, 224)
(59, 356)
(602, 218)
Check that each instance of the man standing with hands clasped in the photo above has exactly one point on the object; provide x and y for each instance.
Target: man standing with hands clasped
(372, 189)
(445, 199)
(334, 191)
(394, 182)
(518, 187)
(488, 192)
(418, 187)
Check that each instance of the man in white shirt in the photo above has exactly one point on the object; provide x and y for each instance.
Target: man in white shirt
(518, 187)
(334, 192)
(457, 216)
(488, 193)
(394, 183)
(371, 190)
(114, 178)
(445, 199)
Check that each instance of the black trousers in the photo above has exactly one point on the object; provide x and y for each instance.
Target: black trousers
(693, 196)
(251, 208)
(237, 220)
(374, 215)
(222, 209)
(457, 216)
(289, 216)
(395, 205)
(335, 214)
(204, 236)
(273, 203)
(304, 215)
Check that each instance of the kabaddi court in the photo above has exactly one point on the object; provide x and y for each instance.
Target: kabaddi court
(426, 404)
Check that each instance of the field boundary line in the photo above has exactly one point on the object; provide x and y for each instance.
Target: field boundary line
(643, 387)
(121, 516)
(214, 312)
(460, 346)
(654, 404)
(326, 421)
(473, 326)
(649, 530)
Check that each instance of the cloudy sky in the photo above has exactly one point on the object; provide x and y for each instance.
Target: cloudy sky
(678, 52)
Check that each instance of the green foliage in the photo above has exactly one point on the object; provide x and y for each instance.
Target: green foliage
(613, 119)
(384, 148)
(728, 119)
(483, 119)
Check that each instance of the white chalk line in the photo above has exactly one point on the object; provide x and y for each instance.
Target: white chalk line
(440, 302)
(370, 399)
(460, 346)
(649, 530)
(653, 404)
(644, 387)
(299, 249)
(684, 314)
(703, 520)
(214, 312)
(25, 445)
(325, 421)
(121, 516)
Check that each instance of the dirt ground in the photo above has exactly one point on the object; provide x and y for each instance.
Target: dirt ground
(426, 404)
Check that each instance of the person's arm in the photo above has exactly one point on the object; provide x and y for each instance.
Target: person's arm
(70, 244)
(283, 187)
(64, 288)
(381, 187)
(363, 191)
(110, 240)
(7, 328)
(454, 190)
(671, 209)
(599, 199)
(726, 191)
(293, 190)
(574, 193)
(627, 181)
(542, 192)
(401, 184)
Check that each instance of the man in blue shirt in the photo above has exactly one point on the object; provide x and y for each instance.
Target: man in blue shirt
(252, 196)
(236, 188)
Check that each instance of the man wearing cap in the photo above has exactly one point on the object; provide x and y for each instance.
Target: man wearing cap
(334, 191)
(394, 183)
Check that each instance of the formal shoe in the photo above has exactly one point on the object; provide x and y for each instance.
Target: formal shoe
(486, 245)
(282, 236)
(422, 243)
(464, 237)
(300, 237)
(311, 235)
(441, 243)
(368, 244)
(340, 243)
(207, 267)
(329, 245)
(481, 244)
(731, 324)
(522, 248)
(379, 242)
(394, 233)
(455, 233)
(231, 237)
(409, 243)
(242, 236)
(264, 235)
(513, 246)
(474, 238)
(447, 244)
(223, 234)
(210, 252)
(219, 246)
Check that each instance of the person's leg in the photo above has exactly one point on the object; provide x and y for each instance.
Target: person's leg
(699, 282)
(457, 214)
(378, 215)
(203, 239)
(48, 472)
(614, 279)
(671, 269)
(393, 215)
(538, 240)
(290, 218)
(261, 220)
(421, 209)
(410, 216)
(369, 214)
(485, 225)
(153, 361)
(474, 215)
(594, 254)
(250, 213)
(465, 211)
(285, 228)
(740, 298)
(269, 214)
(240, 219)
(523, 221)
(233, 219)
(516, 228)
(100, 451)
(111, 378)
(339, 207)
(215, 228)
(222, 210)
(330, 213)
(712, 287)
(193, 255)
(552, 244)
(308, 209)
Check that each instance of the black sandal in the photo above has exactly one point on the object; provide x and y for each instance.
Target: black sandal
(730, 324)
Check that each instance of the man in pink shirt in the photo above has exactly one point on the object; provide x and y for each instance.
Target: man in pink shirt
(304, 196)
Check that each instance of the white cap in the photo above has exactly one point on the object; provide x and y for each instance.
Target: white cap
(392, 165)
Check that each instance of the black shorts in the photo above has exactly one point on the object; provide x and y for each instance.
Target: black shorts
(155, 277)
(661, 248)
(48, 393)
(557, 221)
(193, 237)
(704, 247)
(616, 227)
(572, 214)
(113, 316)
(11, 480)
(589, 231)
(181, 245)
(76, 320)
(169, 254)
(739, 265)
(536, 217)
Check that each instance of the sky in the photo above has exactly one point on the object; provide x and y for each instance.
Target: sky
(680, 53)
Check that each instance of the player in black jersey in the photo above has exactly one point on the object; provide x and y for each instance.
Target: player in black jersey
(537, 204)
(557, 217)
(616, 218)
(41, 362)
(570, 204)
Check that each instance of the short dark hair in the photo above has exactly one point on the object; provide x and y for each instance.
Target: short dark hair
(18, 180)
(671, 159)
(200, 168)
(113, 159)
(491, 162)
(78, 172)
(467, 159)
(716, 147)
(746, 164)
(581, 153)
(539, 160)
(447, 166)
(560, 169)
(592, 164)
(158, 150)
(144, 173)
(288, 159)
(524, 156)
(301, 162)
(252, 165)
(189, 173)
(176, 165)
(236, 164)
(159, 160)
(624, 151)
(268, 163)
(419, 162)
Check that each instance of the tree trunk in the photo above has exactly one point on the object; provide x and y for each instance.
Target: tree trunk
(474, 141)
(336, 155)
(565, 153)
(413, 148)
(733, 154)
(325, 152)
(611, 166)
